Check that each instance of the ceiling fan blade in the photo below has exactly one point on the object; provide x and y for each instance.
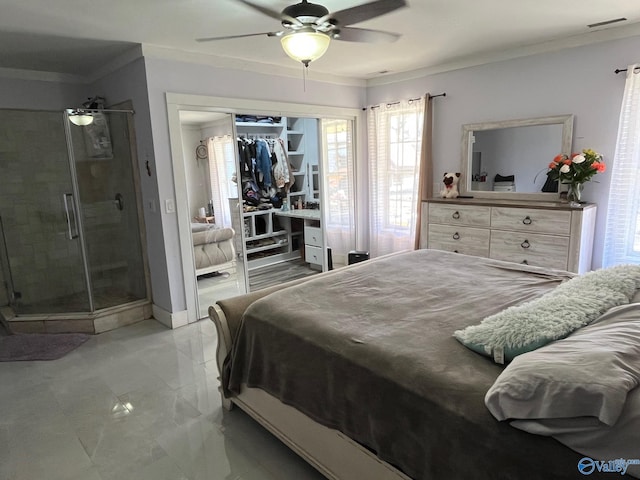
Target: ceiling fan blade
(228, 37)
(350, 34)
(272, 13)
(360, 13)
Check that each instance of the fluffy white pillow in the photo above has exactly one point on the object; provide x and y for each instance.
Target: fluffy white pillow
(571, 305)
(587, 374)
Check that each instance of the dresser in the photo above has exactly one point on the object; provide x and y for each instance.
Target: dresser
(545, 234)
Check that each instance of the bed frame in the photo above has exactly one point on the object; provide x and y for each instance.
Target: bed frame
(331, 452)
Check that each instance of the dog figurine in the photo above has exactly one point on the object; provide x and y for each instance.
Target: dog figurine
(450, 188)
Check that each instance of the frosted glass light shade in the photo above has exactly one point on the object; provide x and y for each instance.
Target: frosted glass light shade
(81, 119)
(305, 45)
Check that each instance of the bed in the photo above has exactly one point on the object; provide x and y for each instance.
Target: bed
(358, 371)
(213, 248)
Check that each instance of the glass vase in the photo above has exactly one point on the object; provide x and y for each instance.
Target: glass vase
(574, 194)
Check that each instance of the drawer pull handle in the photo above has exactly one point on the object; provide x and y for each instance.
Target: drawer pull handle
(456, 251)
(524, 262)
(525, 244)
(456, 215)
(527, 220)
(456, 236)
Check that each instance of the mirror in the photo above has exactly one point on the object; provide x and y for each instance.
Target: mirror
(509, 159)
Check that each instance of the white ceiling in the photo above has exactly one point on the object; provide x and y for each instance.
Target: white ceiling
(43, 35)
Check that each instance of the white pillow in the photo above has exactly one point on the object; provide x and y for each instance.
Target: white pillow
(587, 374)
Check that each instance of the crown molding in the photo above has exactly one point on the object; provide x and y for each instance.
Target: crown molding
(163, 53)
(589, 38)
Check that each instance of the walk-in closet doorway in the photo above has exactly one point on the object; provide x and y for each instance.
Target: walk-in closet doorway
(320, 143)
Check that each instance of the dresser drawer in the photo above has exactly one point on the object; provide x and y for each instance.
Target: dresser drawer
(313, 236)
(470, 215)
(533, 249)
(453, 238)
(313, 255)
(553, 222)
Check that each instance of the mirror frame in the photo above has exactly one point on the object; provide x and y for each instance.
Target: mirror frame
(465, 165)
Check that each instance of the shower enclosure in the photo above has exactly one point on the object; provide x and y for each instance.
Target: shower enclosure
(70, 239)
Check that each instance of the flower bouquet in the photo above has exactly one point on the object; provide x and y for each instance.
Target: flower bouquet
(575, 170)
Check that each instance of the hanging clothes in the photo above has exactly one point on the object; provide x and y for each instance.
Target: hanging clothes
(282, 172)
(263, 161)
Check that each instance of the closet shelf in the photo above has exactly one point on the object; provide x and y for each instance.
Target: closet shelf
(266, 247)
(295, 132)
(258, 124)
(266, 235)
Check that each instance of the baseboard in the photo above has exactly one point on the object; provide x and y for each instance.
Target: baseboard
(168, 319)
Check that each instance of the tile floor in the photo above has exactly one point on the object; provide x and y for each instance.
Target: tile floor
(136, 403)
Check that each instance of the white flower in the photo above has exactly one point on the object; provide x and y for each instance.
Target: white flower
(578, 159)
(565, 168)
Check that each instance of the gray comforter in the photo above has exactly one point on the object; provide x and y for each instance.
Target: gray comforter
(368, 350)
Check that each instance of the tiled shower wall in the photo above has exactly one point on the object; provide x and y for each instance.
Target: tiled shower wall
(34, 176)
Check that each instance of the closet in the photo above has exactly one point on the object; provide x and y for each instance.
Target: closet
(272, 245)
(280, 210)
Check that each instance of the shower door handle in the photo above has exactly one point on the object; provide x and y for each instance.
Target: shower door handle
(72, 229)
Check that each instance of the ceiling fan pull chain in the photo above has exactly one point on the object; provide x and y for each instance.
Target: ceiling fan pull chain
(304, 77)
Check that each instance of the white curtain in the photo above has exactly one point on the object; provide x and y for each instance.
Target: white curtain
(221, 170)
(394, 140)
(338, 189)
(622, 235)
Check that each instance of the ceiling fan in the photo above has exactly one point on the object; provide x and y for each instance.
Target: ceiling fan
(309, 27)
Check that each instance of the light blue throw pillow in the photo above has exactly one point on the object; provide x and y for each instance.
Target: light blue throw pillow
(571, 305)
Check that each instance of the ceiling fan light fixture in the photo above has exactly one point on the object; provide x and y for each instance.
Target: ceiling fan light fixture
(305, 45)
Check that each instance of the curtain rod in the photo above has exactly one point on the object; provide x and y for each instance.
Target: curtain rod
(444, 94)
(620, 70)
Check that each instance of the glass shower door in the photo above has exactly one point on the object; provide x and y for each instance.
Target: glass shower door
(102, 159)
(42, 255)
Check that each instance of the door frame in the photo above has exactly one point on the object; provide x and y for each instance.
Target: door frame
(177, 102)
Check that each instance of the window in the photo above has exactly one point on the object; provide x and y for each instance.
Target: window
(395, 137)
(404, 142)
(338, 172)
(622, 236)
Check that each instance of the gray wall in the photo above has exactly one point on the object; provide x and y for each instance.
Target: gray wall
(579, 80)
(40, 95)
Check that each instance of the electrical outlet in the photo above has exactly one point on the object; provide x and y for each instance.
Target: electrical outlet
(169, 206)
(152, 205)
